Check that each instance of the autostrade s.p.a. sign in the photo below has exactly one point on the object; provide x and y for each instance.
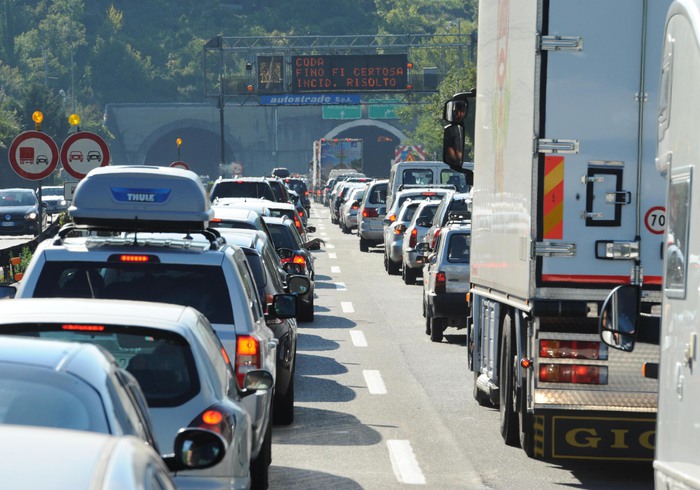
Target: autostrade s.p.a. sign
(353, 73)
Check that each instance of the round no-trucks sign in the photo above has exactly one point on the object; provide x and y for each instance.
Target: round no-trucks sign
(179, 164)
(655, 220)
(33, 155)
(82, 152)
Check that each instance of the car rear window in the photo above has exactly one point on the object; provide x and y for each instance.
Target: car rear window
(428, 211)
(242, 188)
(297, 186)
(456, 179)
(409, 211)
(458, 248)
(161, 361)
(282, 237)
(422, 176)
(48, 398)
(200, 286)
(377, 195)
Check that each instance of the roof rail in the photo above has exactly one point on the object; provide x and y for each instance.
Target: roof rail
(430, 186)
(216, 241)
(459, 216)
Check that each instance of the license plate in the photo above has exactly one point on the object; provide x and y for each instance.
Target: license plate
(7, 223)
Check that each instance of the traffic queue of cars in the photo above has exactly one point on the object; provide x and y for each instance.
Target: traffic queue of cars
(421, 217)
(193, 306)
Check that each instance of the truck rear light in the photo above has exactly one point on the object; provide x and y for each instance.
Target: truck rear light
(247, 356)
(574, 373)
(413, 238)
(216, 418)
(440, 282)
(370, 213)
(573, 349)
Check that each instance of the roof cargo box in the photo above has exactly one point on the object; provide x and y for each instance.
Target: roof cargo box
(141, 198)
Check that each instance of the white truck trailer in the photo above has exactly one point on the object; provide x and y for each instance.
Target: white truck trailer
(676, 463)
(567, 205)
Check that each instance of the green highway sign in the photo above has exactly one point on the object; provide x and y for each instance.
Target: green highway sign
(342, 111)
(384, 110)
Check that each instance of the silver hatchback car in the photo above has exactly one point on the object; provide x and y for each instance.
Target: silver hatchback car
(446, 279)
(415, 234)
(371, 214)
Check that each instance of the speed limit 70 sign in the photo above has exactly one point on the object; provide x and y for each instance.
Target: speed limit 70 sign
(655, 220)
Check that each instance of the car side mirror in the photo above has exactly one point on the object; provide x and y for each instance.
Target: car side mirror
(310, 229)
(298, 284)
(285, 253)
(255, 380)
(423, 247)
(423, 222)
(7, 291)
(196, 448)
(284, 306)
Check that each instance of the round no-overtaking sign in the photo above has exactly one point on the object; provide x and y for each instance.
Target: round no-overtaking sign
(82, 152)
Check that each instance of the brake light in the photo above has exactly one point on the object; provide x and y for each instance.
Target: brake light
(573, 349)
(413, 239)
(306, 193)
(301, 213)
(84, 328)
(134, 258)
(356, 206)
(299, 259)
(215, 220)
(247, 356)
(435, 237)
(573, 373)
(297, 223)
(370, 213)
(217, 419)
(428, 194)
(440, 282)
(391, 217)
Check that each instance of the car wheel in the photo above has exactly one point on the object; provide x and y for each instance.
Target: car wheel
(427, 325)
(509, 417)
(306, 312)
(406, 274)
(259, 469)
(393, 268)
(283, 410)
(345, 229)
(437, 327)
(364, 247)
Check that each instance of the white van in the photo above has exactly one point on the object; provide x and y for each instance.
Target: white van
(428, 173)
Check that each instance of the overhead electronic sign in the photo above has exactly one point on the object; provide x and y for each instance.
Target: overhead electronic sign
(355, 73)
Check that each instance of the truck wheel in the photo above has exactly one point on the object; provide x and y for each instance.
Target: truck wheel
(506, 374)
(437, 327)
(364, 247)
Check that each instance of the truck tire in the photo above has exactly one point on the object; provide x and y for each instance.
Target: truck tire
(506, 375)
(364, 247)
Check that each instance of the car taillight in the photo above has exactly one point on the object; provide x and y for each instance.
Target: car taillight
(391, 217)
(413, 238)
(573, 349)
(399, 229)
(370, 213)
(299, 259)
(301, 213)
(440, 282)
(434, 240)
(306, 193)
(247, 356)
(356, 206)
(573, 373)
(216, 418)
(297, 223)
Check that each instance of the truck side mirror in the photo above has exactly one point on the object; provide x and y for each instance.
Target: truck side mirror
(620, 316)
(453, 146)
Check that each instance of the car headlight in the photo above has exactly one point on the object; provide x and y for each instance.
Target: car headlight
(62, 203)
(30, 215)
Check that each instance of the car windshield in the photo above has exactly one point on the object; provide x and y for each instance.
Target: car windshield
(200, 286)
(161, 361)
(242, 188)
(48, 398)
(17, 198)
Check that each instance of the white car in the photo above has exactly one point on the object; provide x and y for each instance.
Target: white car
(413, 235)
(177, 359)
(347, 215)
(161, 249)
(43, 458)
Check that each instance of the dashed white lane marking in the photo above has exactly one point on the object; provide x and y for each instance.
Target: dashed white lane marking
(347, 307)
(323, 233)
(340, 286)
(375, 383)
(404, 462)
(330, 245)
(335, 269)
(332, 256)
(358, 338)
